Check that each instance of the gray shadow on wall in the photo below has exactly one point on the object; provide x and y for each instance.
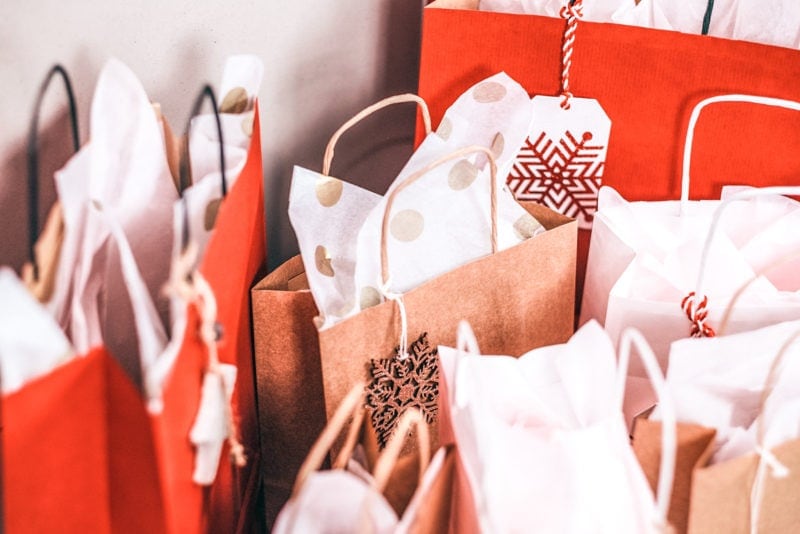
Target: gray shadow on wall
(372, 153)
(55, 149)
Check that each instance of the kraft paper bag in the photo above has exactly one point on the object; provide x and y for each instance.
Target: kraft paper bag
(694, 447)
(465, 198)
(738, 447)
(429, 509)
(285, 317)
(509, 308)
(348, 497)
(515, 298)
(716, 498)
(289, 372)
(291, 407)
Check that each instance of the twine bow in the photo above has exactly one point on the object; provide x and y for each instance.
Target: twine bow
(697, 312)
(192, 287)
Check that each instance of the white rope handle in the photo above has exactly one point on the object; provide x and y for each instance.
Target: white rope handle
(466, 343)
(766, 459)
(726, 317)
(736, 98)
(666, 474)
(715, 220)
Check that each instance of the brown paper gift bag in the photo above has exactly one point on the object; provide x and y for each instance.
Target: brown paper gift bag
(756, 492)
(348, 498)
(289, 379)
(716, 498)
(693, 452)
(517, 299)
(288, 374)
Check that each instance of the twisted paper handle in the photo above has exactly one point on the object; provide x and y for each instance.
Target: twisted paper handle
(572, 12)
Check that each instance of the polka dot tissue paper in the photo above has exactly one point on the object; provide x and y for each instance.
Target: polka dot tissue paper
(438, 223)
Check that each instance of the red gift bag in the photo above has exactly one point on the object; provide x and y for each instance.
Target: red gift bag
(55, 459)
(54, 442)
(83, 453)
(647, 81)
(152, 459)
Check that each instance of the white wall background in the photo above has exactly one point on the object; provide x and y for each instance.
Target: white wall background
(324, 61)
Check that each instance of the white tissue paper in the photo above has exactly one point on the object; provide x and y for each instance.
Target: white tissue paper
(120, 175)
(210, 428)
(123, 219)
(644, 259)
(771, 22)
(241, 81)
(437, 224)
(336, 501)
(718, 383)
(595, 11)
(31, 342)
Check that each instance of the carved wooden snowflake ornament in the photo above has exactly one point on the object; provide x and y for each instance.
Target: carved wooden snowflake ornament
(401, 383)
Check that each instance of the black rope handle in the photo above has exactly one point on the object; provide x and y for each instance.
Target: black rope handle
(707, 17)
(185, 164)
(33, 155)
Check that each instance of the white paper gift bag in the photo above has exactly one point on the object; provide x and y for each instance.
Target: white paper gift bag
(543, 439)
(672, 268)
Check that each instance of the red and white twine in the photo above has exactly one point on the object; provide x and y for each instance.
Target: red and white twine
(697, 312)
(572, 12)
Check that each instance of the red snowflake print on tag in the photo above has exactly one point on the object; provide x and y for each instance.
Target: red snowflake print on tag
(561, 163)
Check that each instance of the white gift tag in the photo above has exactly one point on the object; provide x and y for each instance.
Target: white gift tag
(210, 428)
(561, 163)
